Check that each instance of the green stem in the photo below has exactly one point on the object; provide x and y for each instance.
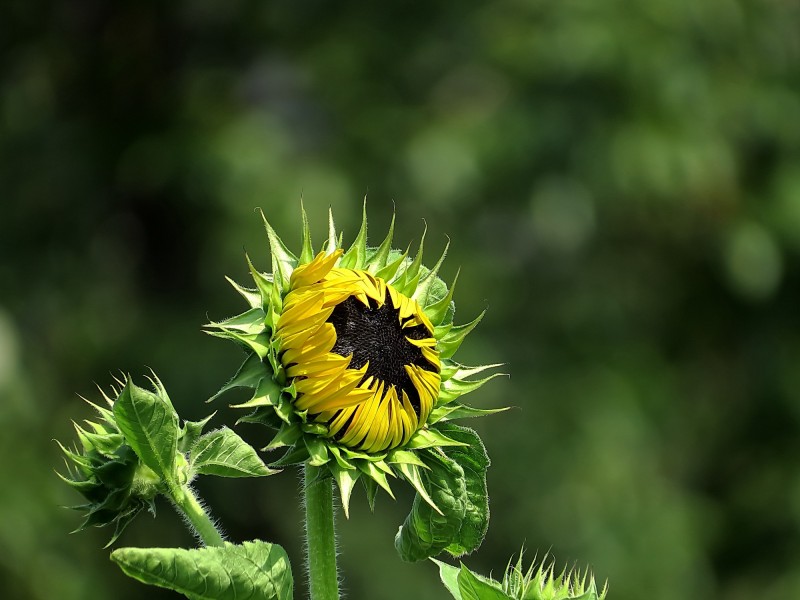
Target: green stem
(188, 504)
(320, 536)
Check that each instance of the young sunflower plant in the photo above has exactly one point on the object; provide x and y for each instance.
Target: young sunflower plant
(349, 356)
(350, 359)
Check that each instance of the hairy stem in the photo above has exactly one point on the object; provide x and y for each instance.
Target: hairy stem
(187, 503)
(320, 536)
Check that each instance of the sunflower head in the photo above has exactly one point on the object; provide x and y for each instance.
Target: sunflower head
(350, 356)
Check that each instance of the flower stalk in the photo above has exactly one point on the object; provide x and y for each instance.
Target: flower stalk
(187, 504)
(323, 578)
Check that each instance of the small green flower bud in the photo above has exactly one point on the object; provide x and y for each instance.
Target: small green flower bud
(543, 583)
(108, 473)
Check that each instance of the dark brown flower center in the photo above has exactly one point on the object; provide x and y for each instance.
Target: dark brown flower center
(376, 335)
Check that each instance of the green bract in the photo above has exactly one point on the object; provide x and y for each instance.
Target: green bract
(405, 418)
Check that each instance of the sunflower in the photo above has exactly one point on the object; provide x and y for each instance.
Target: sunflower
(350, 356)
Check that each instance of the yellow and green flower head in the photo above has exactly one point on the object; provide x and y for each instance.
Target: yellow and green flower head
(362, 355)
(350, 354)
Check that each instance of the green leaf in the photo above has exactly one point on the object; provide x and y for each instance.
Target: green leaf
(150, 426)
(425, 532)
(472, 458)
(474, 587)
(224, 454)
(254, 570)
(449, 576)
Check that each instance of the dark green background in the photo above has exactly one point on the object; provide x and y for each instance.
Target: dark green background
(621, 184)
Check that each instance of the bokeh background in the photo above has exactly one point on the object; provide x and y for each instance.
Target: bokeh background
(621, 184)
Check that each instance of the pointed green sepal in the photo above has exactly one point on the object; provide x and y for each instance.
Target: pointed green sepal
(268, 393)
(283, 261)
(406, 280)
(450, 412)
(296, 455)
(430, 438)
(454, 336)
(346, 480)
(452, 369)
(400, 456)
(306, 247)
(253, 297)
(442, 310)
(411, 474)
(377, 475)
(317, 451)
(340, 459)
(257, 342)
(287, 436)
(252, 371)
(388, 272)
(249, 322)
(371, 488)
(380, 257)
(356, 255)
(455, 388)
(190, 431)
(426, 283)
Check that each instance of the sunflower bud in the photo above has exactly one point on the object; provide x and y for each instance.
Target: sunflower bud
(350, 356)
(117, 486)
(537, 583)
(542, 583)
(136, 449)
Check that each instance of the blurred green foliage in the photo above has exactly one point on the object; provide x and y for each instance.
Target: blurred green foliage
(621, 181)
